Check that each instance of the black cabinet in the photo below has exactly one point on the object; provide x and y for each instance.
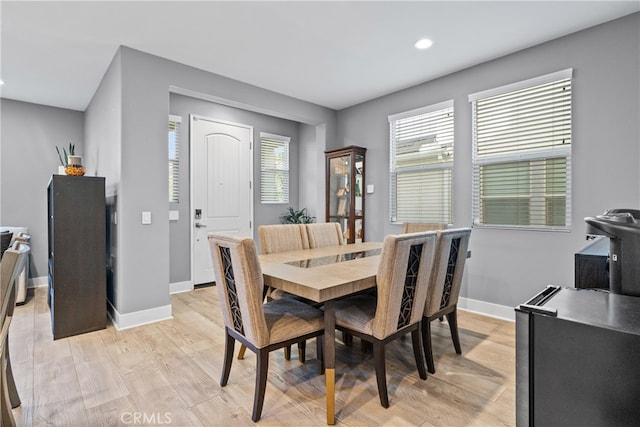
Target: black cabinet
(577, 359)
(592, 265)
(77, 260)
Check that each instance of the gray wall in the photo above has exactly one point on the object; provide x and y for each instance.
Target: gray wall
(509, 266)
(145, 82)
(181, 105)
(103, 133)
(28, 158)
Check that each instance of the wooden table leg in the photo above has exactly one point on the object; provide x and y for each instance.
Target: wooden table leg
(330, 359)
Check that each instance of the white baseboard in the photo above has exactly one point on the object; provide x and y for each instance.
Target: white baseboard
(487, 308)
(176, 288)
(138, 318)
(38, 282)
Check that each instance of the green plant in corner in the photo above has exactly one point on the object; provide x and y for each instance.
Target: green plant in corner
(72, 152)
(293, 216)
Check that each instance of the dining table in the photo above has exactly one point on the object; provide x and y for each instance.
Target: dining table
(324, 275)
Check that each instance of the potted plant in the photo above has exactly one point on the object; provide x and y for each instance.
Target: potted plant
(71, 163)
(293, 216)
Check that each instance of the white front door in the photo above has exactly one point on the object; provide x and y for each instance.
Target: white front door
(222, 197)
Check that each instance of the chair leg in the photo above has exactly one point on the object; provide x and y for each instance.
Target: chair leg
(287, 352)
(243, 349)
(417, 352)
(11, 384)
(319, 353)
(229, 345)
(347, 338)
(302, 350)
(381, 374)
(261, 383)
(452, 318)
(426, 342)
(6, 415)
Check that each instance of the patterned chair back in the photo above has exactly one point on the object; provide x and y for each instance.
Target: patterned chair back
(323, 234)
(240, 284)
(282, 238)
(451, 253)
(402, 279)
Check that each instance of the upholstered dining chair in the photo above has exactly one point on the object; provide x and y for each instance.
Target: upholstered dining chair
(415, 227)
(276, 238)
(323, 234)
(402, 279)
(282, 237)
(261, 327)
(444, 287)
(13, 261)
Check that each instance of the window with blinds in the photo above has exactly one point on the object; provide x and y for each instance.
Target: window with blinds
(274, 168)
(522, 154)
(421, 163)
(174, 158)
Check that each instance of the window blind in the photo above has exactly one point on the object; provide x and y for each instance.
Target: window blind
(174, 158)
(274, 168)
(421, 162)
(522, 154)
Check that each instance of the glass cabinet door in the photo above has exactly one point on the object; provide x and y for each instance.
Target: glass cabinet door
(345, 191)
(358, 197)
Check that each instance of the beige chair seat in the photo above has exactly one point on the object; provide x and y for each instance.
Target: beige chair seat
(288, 318)
(357, 313)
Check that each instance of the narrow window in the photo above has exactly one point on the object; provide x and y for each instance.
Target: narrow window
(421, 163)
(522, 154)
(274, 168)
(174, 158)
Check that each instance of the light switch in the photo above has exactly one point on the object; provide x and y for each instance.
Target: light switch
(370, 189)
(174, 215)
(146, 218)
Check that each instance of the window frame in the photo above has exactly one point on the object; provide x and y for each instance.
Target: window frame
(535, 157)
(445, 214)
(265, 171)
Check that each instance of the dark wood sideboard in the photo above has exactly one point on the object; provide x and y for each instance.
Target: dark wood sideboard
(77, 260)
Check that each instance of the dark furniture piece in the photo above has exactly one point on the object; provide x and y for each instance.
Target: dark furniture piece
(592, 265)
(622, 227)
(577, 359)
(5, 240)
(77, 260)
(345, 191)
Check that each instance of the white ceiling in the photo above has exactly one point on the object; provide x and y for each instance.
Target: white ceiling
(334, 54)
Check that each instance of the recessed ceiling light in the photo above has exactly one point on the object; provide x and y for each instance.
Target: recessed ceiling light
(1, 82)
(423, 44)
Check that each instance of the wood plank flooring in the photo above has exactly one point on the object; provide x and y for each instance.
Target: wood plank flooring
(168, 373)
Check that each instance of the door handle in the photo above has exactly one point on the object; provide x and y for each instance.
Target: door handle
(198, 225)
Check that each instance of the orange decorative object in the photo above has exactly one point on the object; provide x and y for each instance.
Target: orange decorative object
(75, 170)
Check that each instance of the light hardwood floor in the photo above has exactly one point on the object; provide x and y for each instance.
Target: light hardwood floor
(168, 373)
